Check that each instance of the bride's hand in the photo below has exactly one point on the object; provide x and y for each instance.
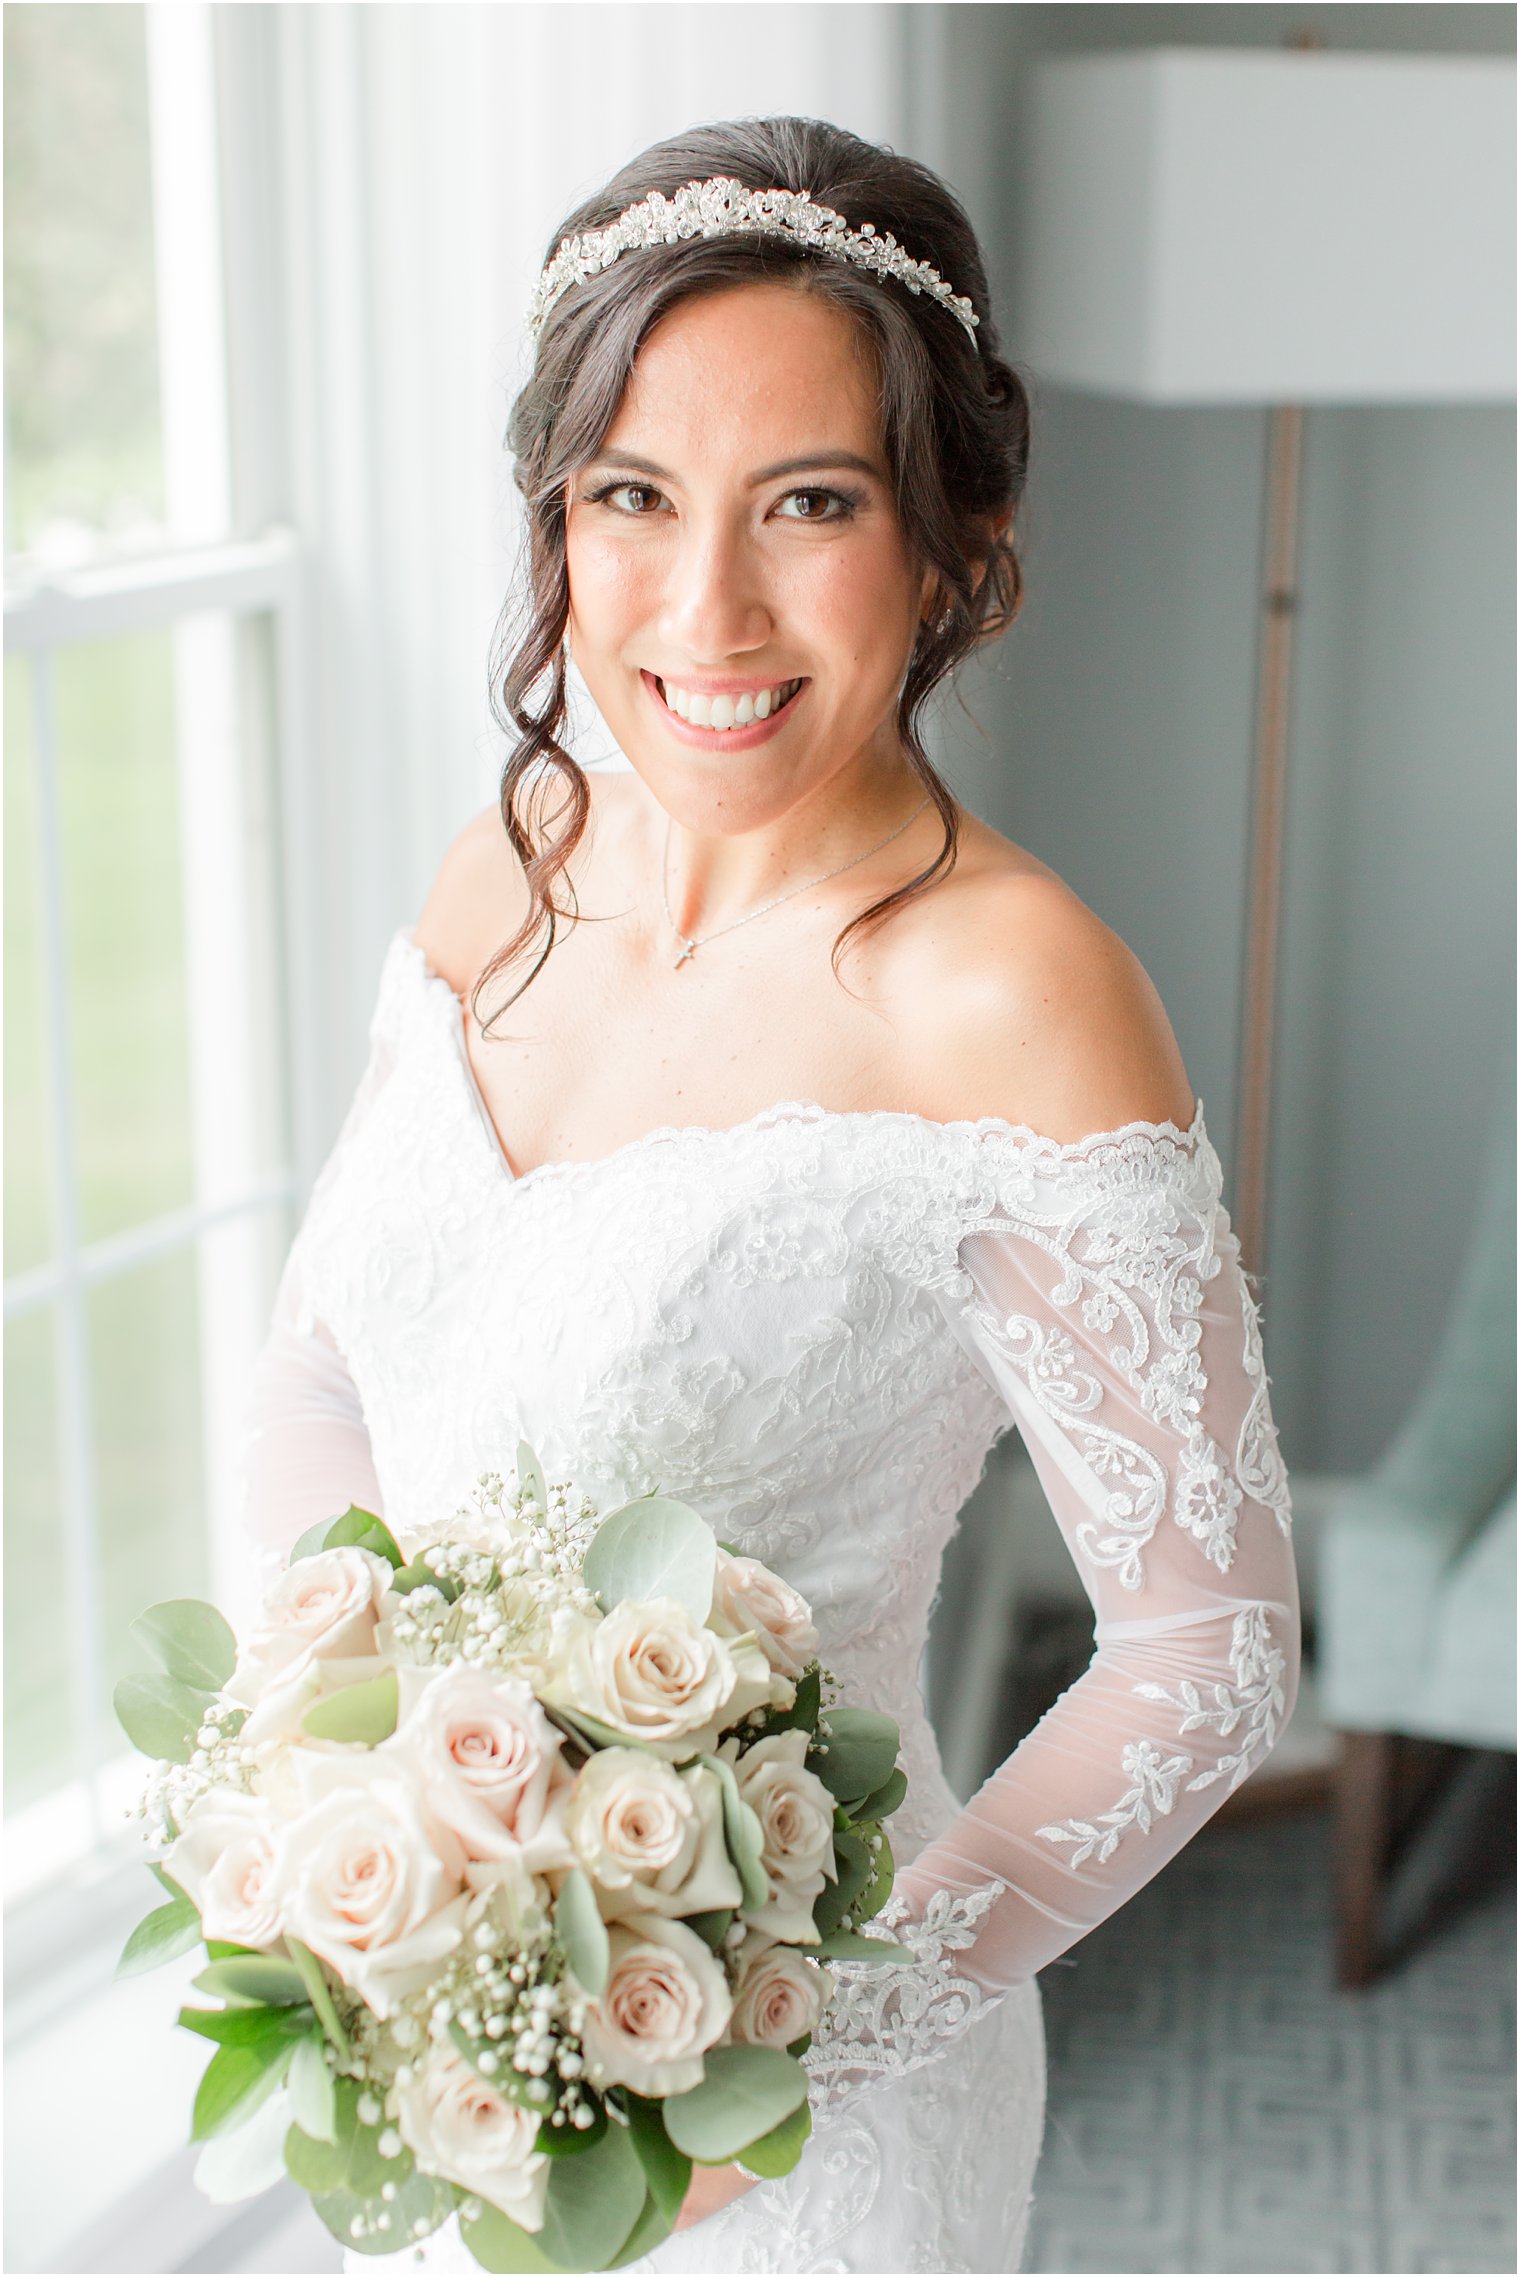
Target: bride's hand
(712, 2188)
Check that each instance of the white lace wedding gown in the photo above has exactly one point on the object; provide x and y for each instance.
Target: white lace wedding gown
(813, 1325)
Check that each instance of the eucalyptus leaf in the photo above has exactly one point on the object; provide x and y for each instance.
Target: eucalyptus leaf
(744, 2093)
(360, 1713)
(319, 1993)
(419, 2197)
(351, 2161)
(591, 2208)
(803, 1713)
(254, 1976)
(743, 1834)
(651, 1549)
(666, 2169)
(357, 1529)
(313, 2096)
(849, 1945)
(651, 2229)
(852, 1869)
(883, 1873)
(857, 1752)
(236, 2081)
(582, 1933)
(192, 1641)
(777, 2153)
(888, 1797)
(711, 1927)
(570, 2142)
(530, 1475)
(161, 1935)
(247, 2159)
(161, 1716)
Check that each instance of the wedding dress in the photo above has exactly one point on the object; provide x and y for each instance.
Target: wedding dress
(813, 1325)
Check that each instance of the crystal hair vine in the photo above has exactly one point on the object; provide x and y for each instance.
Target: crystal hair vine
(722, 207)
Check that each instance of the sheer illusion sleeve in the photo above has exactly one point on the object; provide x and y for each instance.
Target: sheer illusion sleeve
(306, 1451)
(1105, 1299)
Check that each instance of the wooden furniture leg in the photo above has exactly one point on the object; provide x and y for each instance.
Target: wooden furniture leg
(1363, 1800)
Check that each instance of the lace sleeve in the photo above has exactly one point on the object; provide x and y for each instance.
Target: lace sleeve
(1105, 1299)
(306, 1451)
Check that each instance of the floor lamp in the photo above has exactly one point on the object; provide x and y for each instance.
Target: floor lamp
(1282, 228)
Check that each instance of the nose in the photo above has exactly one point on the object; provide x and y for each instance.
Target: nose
(715, 603)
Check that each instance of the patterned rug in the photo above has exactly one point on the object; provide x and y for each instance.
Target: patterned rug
(1217, 2105)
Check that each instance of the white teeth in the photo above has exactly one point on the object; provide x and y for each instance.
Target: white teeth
(723, 712)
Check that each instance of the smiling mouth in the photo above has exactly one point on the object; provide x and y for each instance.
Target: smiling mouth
(721, 713)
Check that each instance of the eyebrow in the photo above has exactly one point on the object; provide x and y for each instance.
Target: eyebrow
(812, 462)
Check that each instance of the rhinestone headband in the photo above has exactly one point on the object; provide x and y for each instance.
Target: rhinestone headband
(722, 207)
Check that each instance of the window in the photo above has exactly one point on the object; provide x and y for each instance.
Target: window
(148, 680)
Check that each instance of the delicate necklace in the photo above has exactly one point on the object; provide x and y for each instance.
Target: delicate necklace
(690, 943)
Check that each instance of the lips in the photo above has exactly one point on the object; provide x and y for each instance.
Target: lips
(739, 737)
(724, 711)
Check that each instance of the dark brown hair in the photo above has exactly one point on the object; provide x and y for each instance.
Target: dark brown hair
(955, 422)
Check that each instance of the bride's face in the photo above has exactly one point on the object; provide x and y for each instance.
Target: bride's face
(743, 602)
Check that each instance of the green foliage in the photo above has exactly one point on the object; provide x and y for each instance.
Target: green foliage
(666, 2169)
(161, 1716)
(711, 1927)
(420, 2198)
(313, 2095)
(744, 2094)
(887, 1798)
(804, 1711)
(651, 2229)
(852, 1868)
(238, 2079)
(568, 2141)
(592, 2207)
(778, 2152)
(743, 1834)
(357, 1529)
(582, 1933)
(530, 1475)
(879, 1888)
(858, 1752)
(161, 1935)
(362, 1714)
(248, 2027)
(590, 1733)
(190, 1640)
(420, 1575)
(319, 1993)
(849, 1945)
(254, 1976)
(350, 2162)
(505, 2080)
(654, 1548)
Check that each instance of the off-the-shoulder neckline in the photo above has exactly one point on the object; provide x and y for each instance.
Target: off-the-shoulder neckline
(805, 1113)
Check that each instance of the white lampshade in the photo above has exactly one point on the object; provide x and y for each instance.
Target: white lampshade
(1259, 226)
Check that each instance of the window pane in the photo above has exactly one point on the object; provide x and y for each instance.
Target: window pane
(123, 914)
(145, 1367)
(28, 1231)
(38, 1735)
(84, 448)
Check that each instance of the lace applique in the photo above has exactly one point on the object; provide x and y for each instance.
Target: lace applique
(1258, 1459)
(1151, 1792)
(1255, 1699)
(886, 2022)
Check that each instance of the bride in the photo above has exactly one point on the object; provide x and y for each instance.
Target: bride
(760, 1127)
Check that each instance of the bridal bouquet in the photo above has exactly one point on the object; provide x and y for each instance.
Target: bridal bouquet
(517, 1851)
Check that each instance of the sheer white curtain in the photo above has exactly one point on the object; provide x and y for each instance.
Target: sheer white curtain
(412, 162)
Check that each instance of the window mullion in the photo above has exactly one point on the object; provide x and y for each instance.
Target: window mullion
(76, 1429)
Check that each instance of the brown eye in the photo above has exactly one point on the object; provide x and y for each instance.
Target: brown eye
(815, 506)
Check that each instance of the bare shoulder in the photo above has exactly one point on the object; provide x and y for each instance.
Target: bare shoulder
(1026, 1006)
(479, 897)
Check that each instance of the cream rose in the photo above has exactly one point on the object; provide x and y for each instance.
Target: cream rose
(326, 1608)
(666, 2002)
(363, 1877)
(488, 1760)
(651, 1838)
(748, 1596)
(653, 1672)
(223, 1862)
(457, 2126)
(779, 1996)
(796, 1814)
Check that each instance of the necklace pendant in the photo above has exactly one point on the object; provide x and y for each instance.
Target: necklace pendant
(688, 949)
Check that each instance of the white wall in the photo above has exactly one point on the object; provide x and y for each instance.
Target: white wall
(1116, 736)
